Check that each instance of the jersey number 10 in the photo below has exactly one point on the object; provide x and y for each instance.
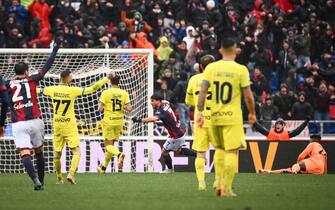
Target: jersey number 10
(219, 88)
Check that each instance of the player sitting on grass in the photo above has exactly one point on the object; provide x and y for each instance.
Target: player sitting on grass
(313, 160)
(278, 132)
(176, 140)
(202, 136)
(113, 102)
(64, 121)
(28, 128)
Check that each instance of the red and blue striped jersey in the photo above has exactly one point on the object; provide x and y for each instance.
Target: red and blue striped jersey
(23, 99)
(170, 121)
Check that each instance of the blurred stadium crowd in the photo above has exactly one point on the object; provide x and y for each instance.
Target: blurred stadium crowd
(288, 45)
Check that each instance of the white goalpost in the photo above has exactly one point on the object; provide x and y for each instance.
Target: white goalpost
(135, 68)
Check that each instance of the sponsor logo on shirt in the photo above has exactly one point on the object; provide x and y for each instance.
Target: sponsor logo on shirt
(222, 114)
(21, 106)
(62, 120)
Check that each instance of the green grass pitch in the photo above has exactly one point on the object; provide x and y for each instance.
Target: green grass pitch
(177, 191)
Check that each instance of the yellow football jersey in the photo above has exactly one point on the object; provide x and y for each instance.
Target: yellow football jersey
(192, 93)
(113, 100)
(226, 80)
(63, 98)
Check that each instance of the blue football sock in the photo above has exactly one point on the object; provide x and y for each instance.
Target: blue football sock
(168, 161)
(40, 166)
(28, 164)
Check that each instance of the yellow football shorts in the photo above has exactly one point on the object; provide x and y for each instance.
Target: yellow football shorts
(202, 138)
(229, 137)
(68, 136)
(111, 132)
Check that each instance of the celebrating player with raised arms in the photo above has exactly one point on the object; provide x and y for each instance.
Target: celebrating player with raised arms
(113, 102)
(64, 121)
(202, 136)
(227, 80)
(28, 128)
(176, 140)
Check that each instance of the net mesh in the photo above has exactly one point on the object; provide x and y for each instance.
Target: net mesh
(87, 69)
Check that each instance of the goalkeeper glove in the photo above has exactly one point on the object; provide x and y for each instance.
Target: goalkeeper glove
(136, 119)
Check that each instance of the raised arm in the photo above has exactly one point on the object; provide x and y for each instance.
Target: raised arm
(299, 129)
(95, 87)
(41, 73)
(259, 128)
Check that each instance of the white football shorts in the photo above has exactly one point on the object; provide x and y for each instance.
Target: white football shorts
(28, 134)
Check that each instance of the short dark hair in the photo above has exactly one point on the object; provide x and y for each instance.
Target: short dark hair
(115, 80)
(156, 96)
(20, 68)
(64, 74)
(205, 60)
(228, 43)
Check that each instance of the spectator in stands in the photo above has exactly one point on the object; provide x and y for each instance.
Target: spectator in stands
(140, 40)
(284, 100)
(302, 47)
(258, 84)
(41, 10)
(64, 11)
(136, 24)
(322, 98)
(43, 40)
(301, 110)
(178, 31)
(179, 94)
(287, 61)
(167, 76)
(291, 80)
(332, 102)
(174, 64)
(268, 112)
(165, 92)
(164, 50)
(189, 38)
(122, 33)
(326, 68)
(20, 13)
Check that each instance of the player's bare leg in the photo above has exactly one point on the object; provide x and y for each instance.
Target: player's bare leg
(74, 165)
(200, 163)
(28, 164)
(278, 171)
(57, 166)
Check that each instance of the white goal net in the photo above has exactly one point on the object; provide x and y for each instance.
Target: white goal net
(135, 68)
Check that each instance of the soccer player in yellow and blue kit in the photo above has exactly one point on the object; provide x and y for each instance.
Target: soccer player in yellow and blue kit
(113, 102)
(202, 136)
(227, 80)
(64, 122)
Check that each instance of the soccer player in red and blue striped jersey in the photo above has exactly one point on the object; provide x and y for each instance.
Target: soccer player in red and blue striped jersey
(176, 140)
(28, 128)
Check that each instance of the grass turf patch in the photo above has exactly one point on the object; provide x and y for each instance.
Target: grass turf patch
(177, 191)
